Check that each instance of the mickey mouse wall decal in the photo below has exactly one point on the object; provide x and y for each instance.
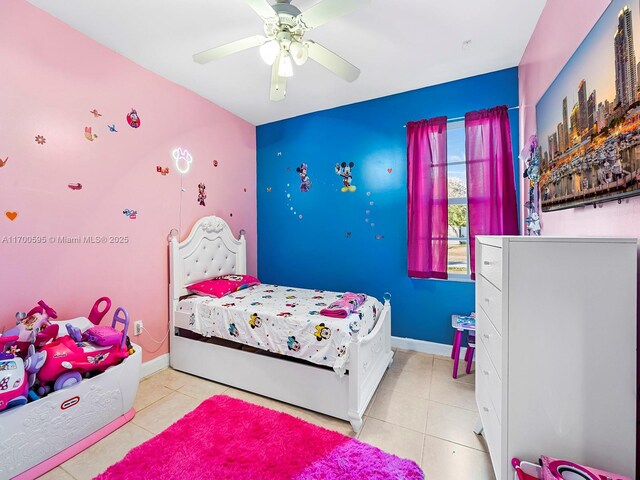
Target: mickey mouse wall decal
(344, 170)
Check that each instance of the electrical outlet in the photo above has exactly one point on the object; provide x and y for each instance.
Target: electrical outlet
(137, 327)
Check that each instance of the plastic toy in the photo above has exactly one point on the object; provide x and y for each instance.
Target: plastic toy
(552, 469)
(96, 315)
(70, 357)
(34, 328)
(17, 376)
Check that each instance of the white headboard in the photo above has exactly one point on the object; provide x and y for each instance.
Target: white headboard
(210, 250)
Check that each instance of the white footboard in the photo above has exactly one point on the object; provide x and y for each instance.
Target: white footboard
(369, 358)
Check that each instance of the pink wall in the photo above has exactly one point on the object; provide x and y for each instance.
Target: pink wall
(52, 76)
(562, 27)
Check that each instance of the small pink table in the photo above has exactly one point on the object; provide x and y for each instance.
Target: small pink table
(461, 323)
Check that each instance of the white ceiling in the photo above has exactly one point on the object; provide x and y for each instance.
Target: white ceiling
(399, 45)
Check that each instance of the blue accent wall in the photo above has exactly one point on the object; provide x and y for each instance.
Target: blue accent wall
(333, 246)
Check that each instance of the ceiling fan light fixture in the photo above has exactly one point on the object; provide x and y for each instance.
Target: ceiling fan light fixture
(269, 51)
(299, 52)
(285, 68)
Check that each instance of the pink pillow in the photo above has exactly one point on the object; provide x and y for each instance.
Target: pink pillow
(223, 285)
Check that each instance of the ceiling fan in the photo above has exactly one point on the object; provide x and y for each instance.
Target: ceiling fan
(283, 41)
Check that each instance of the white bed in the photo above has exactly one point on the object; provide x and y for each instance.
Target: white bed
(211, 250)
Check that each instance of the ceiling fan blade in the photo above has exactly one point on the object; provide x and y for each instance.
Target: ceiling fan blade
(327, 10)
(262, 8)
(228, 49)
(332, 62)
(278, 83)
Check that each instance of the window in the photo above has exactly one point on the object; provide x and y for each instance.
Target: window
(458, 233)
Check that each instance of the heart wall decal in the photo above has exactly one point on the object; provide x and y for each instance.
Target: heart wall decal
(389, 170)
(11, 215)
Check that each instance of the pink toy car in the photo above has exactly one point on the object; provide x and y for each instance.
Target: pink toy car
(70, 357)
(17, 376)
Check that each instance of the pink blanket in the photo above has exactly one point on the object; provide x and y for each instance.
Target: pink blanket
(349, 303)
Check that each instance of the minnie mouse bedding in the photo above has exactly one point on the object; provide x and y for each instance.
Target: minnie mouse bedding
(282, 320)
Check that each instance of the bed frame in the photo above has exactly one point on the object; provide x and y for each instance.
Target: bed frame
(211, 250)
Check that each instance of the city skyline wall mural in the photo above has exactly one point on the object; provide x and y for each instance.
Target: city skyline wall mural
(588, 121)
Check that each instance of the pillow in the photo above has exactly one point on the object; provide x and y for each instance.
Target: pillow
(223, 285)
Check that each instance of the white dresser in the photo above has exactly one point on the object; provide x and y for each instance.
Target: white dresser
(556, 350)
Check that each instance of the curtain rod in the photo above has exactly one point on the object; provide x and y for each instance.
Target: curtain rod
(457, 119)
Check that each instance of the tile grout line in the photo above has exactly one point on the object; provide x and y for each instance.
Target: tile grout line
(475, 410)
(65, 471)
(457, 443)
(154, 402)
(424, 436)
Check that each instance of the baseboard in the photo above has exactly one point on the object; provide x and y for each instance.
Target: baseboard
(155, 365)
(423, 346)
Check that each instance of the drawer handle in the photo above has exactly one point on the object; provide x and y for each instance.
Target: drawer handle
(486, 299)
(485, 409)
(486, 372)
(486, 262)
(486, 335)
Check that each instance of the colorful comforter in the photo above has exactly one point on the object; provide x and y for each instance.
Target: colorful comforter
(282, 320)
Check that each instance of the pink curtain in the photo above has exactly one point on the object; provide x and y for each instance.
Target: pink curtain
(427, 198)
(491, 187)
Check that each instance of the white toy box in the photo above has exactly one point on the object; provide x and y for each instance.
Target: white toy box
(43, 434)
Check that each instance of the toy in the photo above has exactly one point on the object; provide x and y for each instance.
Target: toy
(17, 376)
(35, 328)
(96, 315)
(344, 171)
(552, 469)
(70, 357)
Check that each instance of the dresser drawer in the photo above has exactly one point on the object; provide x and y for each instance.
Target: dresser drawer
(488, 379)
(490, 338)
(490, 299)
(490, 265)
(492, 430)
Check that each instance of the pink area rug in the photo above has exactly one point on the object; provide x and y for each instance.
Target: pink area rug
(227, 439)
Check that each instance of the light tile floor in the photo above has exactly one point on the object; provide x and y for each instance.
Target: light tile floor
(419, 412)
